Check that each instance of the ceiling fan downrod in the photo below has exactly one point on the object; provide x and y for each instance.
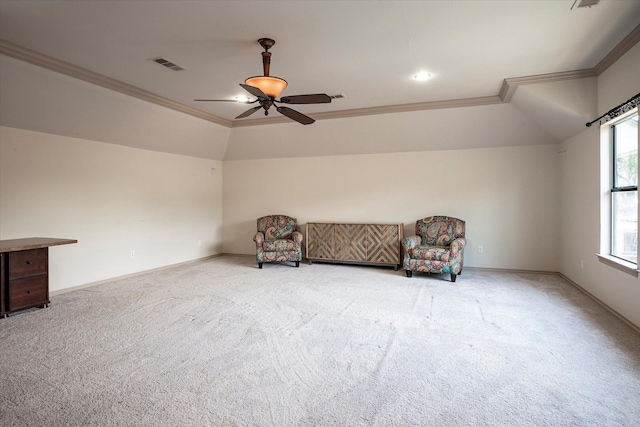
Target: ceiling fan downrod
(266, 55)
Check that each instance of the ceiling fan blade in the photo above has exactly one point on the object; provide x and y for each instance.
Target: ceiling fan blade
(255, 91)
(295, 115)
(249, 112)
(318, 98)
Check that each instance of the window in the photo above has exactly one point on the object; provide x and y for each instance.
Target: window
(624, 188)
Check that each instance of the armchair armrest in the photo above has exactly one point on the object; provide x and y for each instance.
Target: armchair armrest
(457, 246)
(259, 238)
(411, 242)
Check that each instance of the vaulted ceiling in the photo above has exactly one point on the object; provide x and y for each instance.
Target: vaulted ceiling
(477, 52)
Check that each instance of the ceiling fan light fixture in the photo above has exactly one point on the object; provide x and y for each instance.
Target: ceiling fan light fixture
(267, 88)
(270, 86)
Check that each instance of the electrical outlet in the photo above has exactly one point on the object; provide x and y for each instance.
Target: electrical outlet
(480, 249)
(133, 254)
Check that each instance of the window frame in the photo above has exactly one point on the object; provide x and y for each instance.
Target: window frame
(616, 188)
(610, 187)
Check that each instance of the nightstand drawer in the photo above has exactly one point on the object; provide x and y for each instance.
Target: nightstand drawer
(28, 292)
(27, 263)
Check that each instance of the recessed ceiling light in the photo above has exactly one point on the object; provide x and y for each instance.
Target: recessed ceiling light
(242, 98)
(422, 76)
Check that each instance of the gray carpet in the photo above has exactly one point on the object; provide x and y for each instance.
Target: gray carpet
(221, 343)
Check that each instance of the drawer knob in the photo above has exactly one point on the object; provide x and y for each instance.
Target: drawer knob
(29, 262)
(29, 291)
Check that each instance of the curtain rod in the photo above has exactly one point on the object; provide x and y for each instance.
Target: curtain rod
(620, 109)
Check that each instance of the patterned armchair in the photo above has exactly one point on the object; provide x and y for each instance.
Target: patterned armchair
(438, 246)
(277, 240)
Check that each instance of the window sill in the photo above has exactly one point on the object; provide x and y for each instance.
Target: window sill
(620, 264)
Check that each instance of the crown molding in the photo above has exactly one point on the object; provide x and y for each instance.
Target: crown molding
(45, 61)
(51, 63)
(627, 43)
(419, 106)
(385, 109)
(510, 85)
(508, 88)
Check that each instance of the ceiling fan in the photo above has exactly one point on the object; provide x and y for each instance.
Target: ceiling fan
(267, 88)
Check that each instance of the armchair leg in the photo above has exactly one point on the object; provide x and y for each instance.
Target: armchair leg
(409, 273)
(453, 277)
(297, 264)
(259, 265)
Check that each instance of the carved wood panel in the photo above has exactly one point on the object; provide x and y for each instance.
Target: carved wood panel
(350, 242)
(360, 243)
(320, 239)
(382, 243)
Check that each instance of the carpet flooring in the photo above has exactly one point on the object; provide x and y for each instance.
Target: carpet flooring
(219, 342)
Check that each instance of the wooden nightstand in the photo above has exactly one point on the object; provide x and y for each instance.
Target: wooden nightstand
(24, 273)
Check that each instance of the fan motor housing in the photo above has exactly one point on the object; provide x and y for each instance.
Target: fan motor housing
(266, 43)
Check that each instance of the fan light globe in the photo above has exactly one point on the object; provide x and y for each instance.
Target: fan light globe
(271, 86)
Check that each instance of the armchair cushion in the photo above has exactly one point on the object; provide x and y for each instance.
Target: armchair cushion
(278, 245)
(430, 253)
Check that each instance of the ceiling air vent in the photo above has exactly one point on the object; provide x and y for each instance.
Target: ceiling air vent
(337, 96)
(166, 63)
(585, 3)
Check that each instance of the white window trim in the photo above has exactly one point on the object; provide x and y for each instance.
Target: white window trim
(605, 199)
(619, 263)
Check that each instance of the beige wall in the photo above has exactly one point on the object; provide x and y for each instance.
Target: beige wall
(531, 203)
(112, 199)
(580, 202)
(494, 125)
(507, 196)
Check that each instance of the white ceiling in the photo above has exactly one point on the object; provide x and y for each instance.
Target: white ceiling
(366, 50)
